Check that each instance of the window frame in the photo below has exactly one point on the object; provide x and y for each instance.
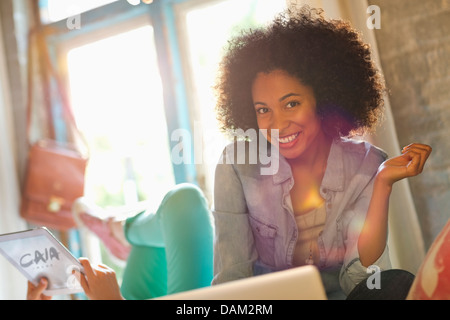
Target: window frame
(109, 19)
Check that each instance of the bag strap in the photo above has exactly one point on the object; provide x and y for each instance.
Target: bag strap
(36, 40)
(30, 89)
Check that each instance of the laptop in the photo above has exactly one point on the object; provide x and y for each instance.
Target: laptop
(301, 283)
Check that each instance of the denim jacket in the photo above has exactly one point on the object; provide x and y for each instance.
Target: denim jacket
(255, 226)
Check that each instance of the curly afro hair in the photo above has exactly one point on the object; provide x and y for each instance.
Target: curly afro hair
(327, 55)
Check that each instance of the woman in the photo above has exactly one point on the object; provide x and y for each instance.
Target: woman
(306, 83)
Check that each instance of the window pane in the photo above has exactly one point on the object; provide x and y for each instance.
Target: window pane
(208, 29)
(118, 103)
(56, 10)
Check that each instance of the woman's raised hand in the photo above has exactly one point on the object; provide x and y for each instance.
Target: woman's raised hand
(409, 164)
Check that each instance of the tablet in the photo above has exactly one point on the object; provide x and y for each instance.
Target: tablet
(37, 253)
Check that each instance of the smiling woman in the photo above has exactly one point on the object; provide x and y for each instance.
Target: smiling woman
(327, 204)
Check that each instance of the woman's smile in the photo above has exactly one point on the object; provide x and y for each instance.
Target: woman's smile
(289, 141)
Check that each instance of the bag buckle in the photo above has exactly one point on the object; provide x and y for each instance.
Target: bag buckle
(55, 204)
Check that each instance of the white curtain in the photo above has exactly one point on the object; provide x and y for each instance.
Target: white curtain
(12, 283)
(406, 244)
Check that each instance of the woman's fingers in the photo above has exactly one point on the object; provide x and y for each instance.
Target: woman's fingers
(83, 282)
(414, 165)
(88, 270)
(89, 274)
(419, 154)
(103, 266)
(422, 148)
(36, 292)
(409, 164)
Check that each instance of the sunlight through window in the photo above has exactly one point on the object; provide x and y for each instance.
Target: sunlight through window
(118, 103)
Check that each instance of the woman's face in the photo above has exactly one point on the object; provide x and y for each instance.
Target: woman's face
(282, 102)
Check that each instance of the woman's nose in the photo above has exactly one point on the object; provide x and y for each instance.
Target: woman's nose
(279, 121)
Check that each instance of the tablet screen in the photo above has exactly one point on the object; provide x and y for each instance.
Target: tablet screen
(37, 253)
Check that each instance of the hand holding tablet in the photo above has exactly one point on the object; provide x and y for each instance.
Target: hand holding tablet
(38, 254)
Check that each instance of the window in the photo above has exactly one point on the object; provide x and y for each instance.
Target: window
(175, 52)
(117, 99)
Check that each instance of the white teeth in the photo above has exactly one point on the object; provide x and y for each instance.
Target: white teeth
(288, 138)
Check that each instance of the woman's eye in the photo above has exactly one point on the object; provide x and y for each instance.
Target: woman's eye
(261, 110)
(292, 104)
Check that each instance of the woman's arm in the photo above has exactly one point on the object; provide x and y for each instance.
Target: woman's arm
(372, 240)
(234, 251)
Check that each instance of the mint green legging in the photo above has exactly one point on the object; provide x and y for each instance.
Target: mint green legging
(172, 249)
